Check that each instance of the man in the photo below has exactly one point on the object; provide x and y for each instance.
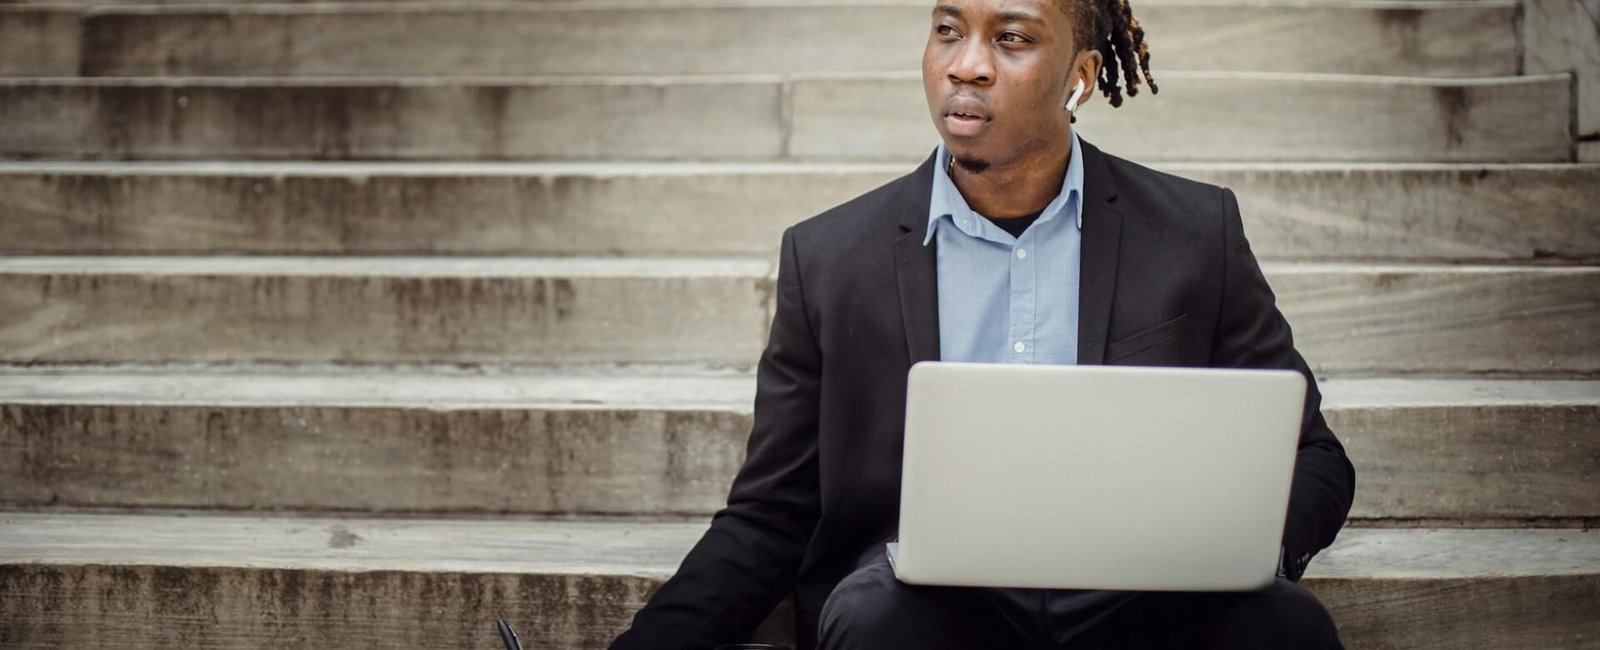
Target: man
(1015, 242)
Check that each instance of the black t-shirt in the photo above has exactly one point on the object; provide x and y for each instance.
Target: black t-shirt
(1015, 225)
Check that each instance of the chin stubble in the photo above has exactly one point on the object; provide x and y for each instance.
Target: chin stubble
(973, 165)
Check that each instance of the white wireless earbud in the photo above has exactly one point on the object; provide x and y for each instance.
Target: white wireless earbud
(1072, 101)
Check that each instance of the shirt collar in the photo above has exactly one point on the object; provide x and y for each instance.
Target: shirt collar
(947, 201)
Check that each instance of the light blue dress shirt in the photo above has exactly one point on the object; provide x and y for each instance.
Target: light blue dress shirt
(1004, 299)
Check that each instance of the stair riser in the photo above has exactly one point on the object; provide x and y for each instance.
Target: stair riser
(1197, 117)
(1346, 320)
(419, 122)
(240, 318)
(170, 607)
(162, 607)
(1488, 213)
(1399, 321)
(524, 40)
(40, 41)
(1461, 462)
(1457, 463)
(554, 460)
(1527, 612)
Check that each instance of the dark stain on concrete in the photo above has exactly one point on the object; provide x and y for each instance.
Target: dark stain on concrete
(1403, 27)
(341, 537)
(1455, 107)
(1387, 281)
(678, 473)
(1468, 177)
(290, 587)
(104, 43)
(565, 296)
(490, 111)
(548, 449)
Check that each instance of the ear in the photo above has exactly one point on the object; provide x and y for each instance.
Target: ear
(1085, 68)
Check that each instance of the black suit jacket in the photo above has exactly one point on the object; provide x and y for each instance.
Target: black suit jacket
(1167, 279)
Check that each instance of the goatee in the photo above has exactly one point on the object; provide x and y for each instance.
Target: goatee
(974, 165)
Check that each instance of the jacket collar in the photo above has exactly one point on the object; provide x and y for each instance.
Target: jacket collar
(916, 266)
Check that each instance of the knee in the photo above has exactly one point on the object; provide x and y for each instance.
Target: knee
(862, 601)
(1284, 615)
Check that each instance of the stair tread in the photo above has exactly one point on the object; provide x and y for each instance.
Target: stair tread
(588, 266)
(349, 544)
(454, 168)
(649, 548)
(668, 386)
(377, 81)
(659, 386)
(411, 266)
(414, 6)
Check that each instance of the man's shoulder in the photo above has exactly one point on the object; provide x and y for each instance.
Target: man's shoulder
(1167, 201)
(1161, 187)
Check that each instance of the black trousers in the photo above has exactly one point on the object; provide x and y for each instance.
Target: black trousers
(870, 608)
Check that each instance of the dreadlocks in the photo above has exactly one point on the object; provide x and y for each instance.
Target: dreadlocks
(1109, 26)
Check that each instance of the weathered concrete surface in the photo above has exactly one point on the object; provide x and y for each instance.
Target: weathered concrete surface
(40, 41)
(552, 38)
(509, 208)
(1564, 36)
(1469, 449)
(572, 457)
(83, 581)
(1537, 212)
(480, 460)
(1427, 319)
(1415, 212)
(422, 119)
(383, 310)
(1197, 117)
(1347, 318)
(307, 583)
(1234, 116)
(1462, 588)
(664, 387)
(666, 442)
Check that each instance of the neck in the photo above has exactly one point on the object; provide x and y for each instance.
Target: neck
(1016, 188)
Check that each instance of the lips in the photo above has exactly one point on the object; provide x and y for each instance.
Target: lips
(965, 116)
(966, 108)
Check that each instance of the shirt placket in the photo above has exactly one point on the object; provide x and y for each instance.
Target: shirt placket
(1024, 293)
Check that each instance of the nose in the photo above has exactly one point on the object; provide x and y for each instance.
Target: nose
(973, 64)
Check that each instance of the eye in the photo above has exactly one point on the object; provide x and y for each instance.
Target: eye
(945, 30)
(1012, 37)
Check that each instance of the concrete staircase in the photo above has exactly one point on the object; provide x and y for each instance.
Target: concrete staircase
(336, 325)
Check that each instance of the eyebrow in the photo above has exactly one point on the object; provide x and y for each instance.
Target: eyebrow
(1010, 15)
(1013, 15)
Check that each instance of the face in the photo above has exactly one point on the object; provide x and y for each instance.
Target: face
(997, 74)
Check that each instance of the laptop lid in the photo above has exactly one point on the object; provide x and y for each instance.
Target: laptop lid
(1096, 477)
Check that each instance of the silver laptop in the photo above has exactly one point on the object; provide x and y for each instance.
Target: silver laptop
(1095, 477)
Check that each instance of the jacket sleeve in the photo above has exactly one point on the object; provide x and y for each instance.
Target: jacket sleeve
(1252, 333)
(747, 561)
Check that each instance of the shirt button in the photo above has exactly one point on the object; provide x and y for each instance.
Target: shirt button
(1019, 347)
(1022, 253)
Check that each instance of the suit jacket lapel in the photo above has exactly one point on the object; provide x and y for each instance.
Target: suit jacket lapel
(1102, 239)
(916, 267)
